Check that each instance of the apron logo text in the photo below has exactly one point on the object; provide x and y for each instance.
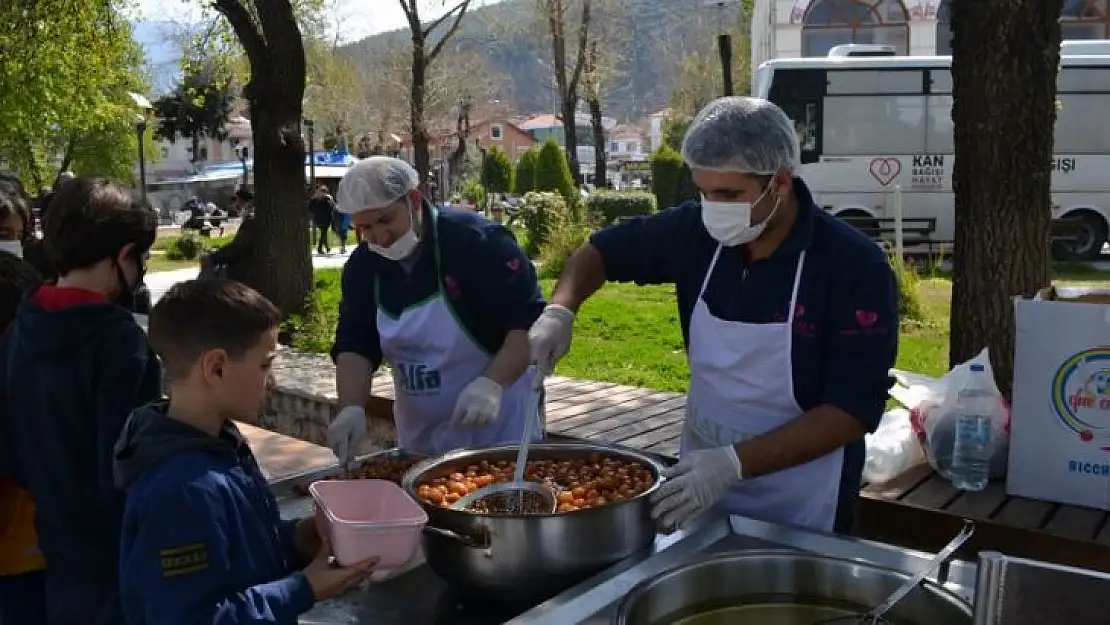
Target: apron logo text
(419, 379)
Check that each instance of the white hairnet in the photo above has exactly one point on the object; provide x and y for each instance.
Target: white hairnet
(740, 134)
(375, 182)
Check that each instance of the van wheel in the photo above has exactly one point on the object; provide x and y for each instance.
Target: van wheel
(1088, 245)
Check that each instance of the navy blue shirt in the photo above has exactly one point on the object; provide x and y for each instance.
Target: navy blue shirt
(846, 318)
(489, 283)
(202, 540)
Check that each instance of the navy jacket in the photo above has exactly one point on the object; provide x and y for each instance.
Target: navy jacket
(845, 322)
(489, 282)
(202, 540)
(71, 375)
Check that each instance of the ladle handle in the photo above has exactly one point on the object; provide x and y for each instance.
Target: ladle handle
(530, 423)
(929, 569)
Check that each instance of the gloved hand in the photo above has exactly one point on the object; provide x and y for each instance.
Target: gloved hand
(347, 431)
(695, 484)
(549, 337)
(479, 403)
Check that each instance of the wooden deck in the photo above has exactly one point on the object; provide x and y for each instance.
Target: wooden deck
(917, 510)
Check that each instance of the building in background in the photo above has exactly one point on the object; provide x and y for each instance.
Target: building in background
(176, 160)
(543, 126)
(800, 28)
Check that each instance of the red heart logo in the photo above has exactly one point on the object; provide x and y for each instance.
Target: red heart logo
(866, 318)
(885, 170)
(513, 264)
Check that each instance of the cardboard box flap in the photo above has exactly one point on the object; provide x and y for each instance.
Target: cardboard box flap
(1074, 294)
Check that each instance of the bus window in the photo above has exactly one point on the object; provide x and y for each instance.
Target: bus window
(875, 124)
(799, 93)
(806, 124)
(939, 136)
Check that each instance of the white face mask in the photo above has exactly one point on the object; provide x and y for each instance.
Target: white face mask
(15, 248)
(403, 247)
(730, 223)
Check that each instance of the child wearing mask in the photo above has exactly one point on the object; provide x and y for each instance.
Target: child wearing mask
(73, 365)
(22, 576)
(202, 539)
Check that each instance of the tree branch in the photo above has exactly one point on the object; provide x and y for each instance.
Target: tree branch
(461, 8)
(243, 25)
(583, 43)
(441, 19)
(412, 14)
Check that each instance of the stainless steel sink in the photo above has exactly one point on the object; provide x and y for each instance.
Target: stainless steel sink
(595, 601)
(1016, 591)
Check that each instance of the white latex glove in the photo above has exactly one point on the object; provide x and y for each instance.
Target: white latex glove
(695, 484)
(346, 432)
(549, 337)
(479, 403)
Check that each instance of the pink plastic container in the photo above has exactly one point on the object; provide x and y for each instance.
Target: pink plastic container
(367, 518)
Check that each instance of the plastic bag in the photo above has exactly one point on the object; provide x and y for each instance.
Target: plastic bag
(934, 419)
(893, 449)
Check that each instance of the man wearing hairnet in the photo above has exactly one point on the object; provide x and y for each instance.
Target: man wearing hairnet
(446, 297)
(789, 317)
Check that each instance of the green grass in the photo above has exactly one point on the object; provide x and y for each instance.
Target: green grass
(628, 334)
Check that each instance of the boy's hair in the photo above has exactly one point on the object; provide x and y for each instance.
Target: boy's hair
(91, 219)
(17, 278)
(197, 316)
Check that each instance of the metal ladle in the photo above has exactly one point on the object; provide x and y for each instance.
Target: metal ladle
(518, 496)
(875, 615)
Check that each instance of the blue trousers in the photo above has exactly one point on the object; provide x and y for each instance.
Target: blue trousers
(23, 599)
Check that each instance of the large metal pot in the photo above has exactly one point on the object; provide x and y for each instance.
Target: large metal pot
(536, 555)
(772, 576)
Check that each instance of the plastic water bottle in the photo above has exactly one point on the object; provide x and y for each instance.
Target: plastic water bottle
(971, 456)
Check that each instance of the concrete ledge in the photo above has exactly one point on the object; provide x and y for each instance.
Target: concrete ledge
(303, 402)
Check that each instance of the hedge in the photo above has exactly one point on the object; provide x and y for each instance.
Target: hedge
(613, 205)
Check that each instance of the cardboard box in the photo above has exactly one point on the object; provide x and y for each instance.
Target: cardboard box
(1060, 429)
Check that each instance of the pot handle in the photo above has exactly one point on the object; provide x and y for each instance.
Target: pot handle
(473, 543)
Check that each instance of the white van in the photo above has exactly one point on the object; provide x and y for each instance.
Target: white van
(869, 123)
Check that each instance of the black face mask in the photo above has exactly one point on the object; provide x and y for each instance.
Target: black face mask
(128, 292)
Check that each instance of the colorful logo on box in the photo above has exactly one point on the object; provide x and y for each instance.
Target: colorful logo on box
(1081, 395)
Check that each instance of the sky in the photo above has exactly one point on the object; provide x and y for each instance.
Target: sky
(357, 18)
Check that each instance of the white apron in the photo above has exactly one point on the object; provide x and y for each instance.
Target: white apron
(741, 386)
(433, 358)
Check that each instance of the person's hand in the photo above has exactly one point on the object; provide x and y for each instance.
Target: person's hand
(549, 337)
(694, 485)
(347, 432)
(306, 539)
(479, 403)
(328, 579)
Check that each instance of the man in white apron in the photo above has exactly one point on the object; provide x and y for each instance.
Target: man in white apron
(446, 298)
(790, 320)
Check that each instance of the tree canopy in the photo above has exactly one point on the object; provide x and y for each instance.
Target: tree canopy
(66, 67)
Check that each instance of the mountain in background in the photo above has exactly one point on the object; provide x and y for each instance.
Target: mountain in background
(648, 46)
(652, 40)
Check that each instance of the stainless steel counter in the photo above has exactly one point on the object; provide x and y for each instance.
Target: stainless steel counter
(419, 597)
(595, 601)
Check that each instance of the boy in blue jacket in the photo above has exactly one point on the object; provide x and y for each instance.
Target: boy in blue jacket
(202, 540)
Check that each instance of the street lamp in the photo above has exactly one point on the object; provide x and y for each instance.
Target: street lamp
(140, 131)
(724, 47)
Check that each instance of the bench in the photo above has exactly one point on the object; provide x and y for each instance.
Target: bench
(916, 231)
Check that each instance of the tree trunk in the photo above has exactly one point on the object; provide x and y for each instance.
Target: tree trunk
(570, 134)
(1006, 55)
(421, 158)
(599, 141)
(279, 266)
